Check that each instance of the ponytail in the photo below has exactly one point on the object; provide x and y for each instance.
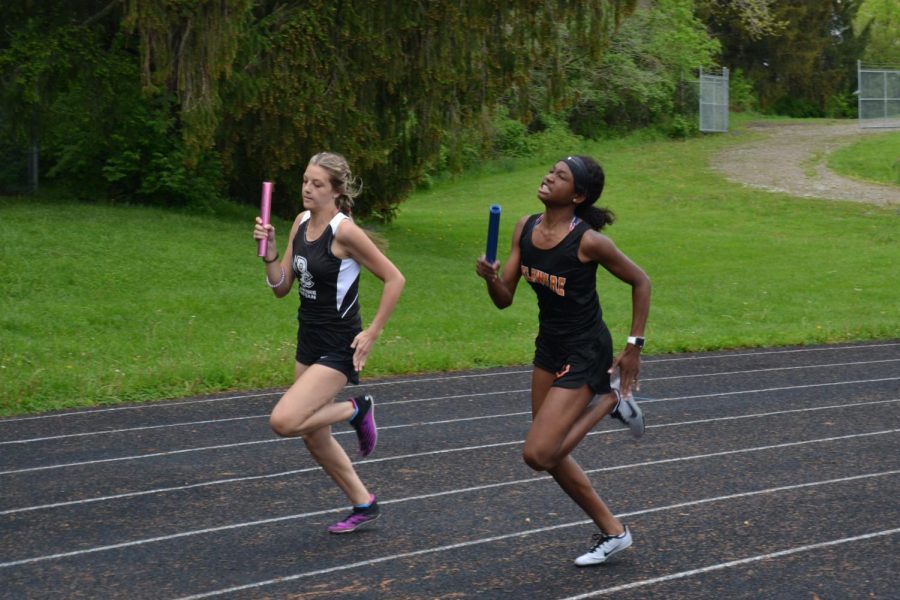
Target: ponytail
(592, 184)
(342, 179)
(597, 218)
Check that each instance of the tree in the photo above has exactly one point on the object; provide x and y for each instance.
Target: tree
(808, 65)
(168, 101)
(382, 82)
(882, 20)
(187, 48)
(637, 81)
(43, 47)
(751, 19)
(72, 86)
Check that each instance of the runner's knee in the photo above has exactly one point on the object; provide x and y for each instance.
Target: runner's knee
(280, 425)
(538, 459)
(287, 424)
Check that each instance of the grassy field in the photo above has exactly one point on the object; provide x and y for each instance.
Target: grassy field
(876, 158)
(103, 304)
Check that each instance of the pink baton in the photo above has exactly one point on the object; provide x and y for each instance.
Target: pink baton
(265, 212)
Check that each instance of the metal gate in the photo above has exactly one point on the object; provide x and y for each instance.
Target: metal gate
(879, 96)
(714, 101)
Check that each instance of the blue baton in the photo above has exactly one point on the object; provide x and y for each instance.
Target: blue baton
(490, 254)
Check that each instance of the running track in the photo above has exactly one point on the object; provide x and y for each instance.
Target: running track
(763, 474)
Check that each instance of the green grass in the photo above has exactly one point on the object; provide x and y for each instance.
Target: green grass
(875, 158)
(106, 304)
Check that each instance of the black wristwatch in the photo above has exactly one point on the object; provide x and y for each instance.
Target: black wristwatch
(636, 340)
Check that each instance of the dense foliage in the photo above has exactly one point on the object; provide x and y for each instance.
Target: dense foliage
(209, 94)
(387, 83)
(72, 88)
(882, 19)
(803, 62)
(190, 102)
(646, 76)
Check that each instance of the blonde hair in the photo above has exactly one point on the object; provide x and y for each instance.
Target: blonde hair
(347, 186)
(342, 180)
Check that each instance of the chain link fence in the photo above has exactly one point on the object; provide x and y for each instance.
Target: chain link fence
(714, 101)
(878, 96)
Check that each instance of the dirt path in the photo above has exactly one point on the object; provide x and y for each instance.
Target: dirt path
(792, 159)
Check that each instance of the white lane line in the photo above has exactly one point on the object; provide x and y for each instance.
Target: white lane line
(310, 469)
(273, 440)
(214, 421)
(453, 492)
(770, 369)
(276, 440)
(516, 534)
(691, 356)
(101, 461)
(273, 393)
(733, 563)
(648, 360)
(249, 478)
(149, 404)
(65, 436)
(766, 390)
(419, 400)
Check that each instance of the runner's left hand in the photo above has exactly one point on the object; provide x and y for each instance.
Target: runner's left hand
(362, 345)
(629, 364)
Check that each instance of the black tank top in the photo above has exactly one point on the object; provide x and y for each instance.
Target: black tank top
(329, 286)
(566, 288)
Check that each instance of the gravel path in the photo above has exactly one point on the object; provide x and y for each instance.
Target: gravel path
(792, 159)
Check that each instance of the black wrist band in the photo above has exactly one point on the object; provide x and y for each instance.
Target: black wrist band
(268, 262)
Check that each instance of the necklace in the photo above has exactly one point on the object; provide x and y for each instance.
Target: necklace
(575, 221)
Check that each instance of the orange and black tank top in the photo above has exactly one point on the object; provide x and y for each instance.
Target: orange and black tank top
(566, 288)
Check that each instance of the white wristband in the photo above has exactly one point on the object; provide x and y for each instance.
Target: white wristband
(275, 285)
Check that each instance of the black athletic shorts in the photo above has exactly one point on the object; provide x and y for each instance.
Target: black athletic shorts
(319, 346)
(577, 361)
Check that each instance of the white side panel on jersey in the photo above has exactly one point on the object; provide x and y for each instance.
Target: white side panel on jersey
(349, 271)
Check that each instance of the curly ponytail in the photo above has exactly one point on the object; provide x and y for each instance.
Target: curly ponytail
(342, 180)
(347, 186)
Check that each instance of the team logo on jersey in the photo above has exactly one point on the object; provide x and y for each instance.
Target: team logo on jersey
(307, 283)
(556, 284)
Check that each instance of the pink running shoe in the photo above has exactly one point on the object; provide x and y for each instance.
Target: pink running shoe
(364, 424)
(359, 517)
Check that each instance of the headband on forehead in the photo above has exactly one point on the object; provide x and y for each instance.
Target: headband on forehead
(579, 172)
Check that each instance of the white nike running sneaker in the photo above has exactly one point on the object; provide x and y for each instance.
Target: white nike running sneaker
(627, 410)
(602, 547)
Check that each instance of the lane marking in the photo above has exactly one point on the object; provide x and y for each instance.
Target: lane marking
(734, 563)
(517, 534)
(418, 400)
(266, 415)
(249, 478)
(767, 390)
(648, 360)
(770, 369)
(280, 440)
(65, 436)
(535, 479)
(771, 352)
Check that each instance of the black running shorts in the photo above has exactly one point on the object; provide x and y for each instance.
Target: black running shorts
(577, 361)
(318, 346)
